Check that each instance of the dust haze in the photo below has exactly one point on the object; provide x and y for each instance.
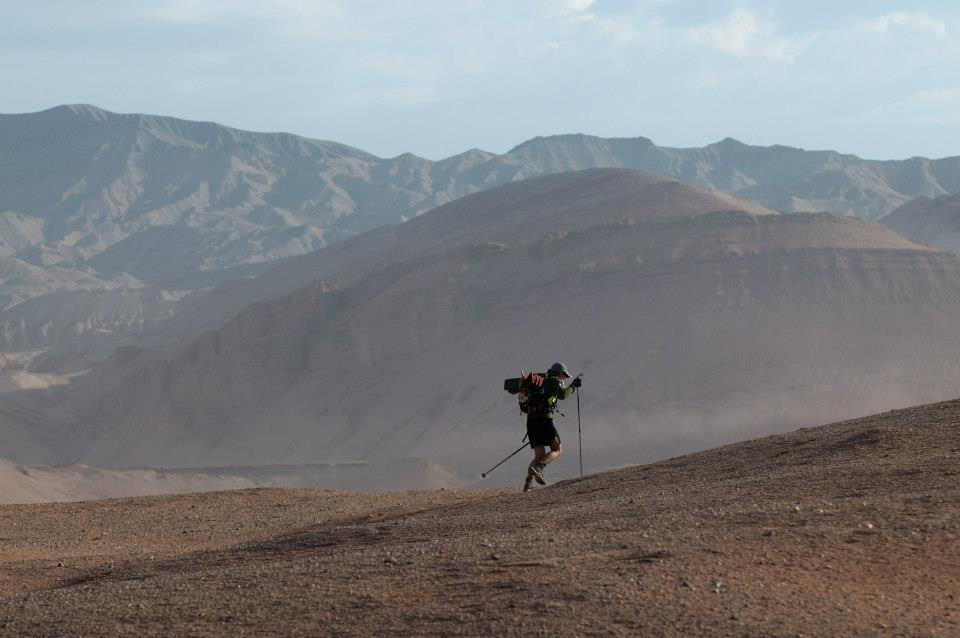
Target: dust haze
(698, 318)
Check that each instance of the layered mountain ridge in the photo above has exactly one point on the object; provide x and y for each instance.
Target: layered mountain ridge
(934, 221)
(697, 319)
(149, 211)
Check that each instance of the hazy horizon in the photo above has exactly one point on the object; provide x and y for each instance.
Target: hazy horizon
(435, 79)
(506, 150)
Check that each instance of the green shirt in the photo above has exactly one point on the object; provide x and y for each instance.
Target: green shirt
(554, 391)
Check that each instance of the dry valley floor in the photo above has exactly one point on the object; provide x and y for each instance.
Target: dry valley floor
(846, 529)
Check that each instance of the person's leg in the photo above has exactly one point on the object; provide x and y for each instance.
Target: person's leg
(556, 451)
(538, 453)
(534, 435)
(535, 469)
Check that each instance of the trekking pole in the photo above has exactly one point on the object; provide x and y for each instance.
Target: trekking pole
(579, 434)
(484, 475)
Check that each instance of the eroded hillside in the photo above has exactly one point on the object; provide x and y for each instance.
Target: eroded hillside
(110, 220)
(848, 529)
(933, 221)
(697, 318)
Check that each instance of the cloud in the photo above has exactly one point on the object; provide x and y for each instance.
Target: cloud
(930, 107)
(743, 33)
(298, 16)
(398, 96)
(616, 30)
(915, 21)
(577, 6)
(535, 66)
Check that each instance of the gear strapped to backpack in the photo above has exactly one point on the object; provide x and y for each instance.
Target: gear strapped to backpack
(529, 387)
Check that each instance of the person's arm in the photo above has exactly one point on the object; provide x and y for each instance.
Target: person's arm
(559, 391)
(570, 389)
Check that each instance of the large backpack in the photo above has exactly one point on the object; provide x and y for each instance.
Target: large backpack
(529, 388)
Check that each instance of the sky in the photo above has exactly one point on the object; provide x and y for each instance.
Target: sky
(437, 77)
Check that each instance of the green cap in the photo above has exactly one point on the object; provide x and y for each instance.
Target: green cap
(559, 368)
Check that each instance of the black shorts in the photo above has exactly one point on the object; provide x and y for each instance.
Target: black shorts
(541, 431)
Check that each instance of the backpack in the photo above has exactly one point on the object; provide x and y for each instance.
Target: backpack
(529, 387)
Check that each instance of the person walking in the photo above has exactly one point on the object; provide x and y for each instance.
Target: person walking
(540, 428)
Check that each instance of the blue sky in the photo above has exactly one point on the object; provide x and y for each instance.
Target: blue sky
(436, 77)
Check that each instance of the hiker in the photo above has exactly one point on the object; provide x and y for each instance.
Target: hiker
(540, 427)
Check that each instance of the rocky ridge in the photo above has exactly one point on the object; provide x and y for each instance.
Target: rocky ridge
(160, 208)
(694, 321)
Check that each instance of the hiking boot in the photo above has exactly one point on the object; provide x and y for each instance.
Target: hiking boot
(528, 484)
(536, 471)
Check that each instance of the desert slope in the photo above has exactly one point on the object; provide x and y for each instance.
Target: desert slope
(513, 211)
(40, 484)
(97, 201)
(695, 324)
(114, 221)
(46, 484)
(125, 192)
(930, 221)
(848, 529)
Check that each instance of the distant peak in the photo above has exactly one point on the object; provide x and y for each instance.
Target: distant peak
(579, 138)
(81, 111)
(563, 137)
(729, 142)
(473, 153)
(408, 157)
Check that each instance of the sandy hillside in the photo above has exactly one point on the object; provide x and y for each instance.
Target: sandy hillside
(114, 226)
(846, 529)
(48, 484)
(934, 221)
(697, 319)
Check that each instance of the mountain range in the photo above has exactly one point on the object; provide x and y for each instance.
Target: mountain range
(696, 317)
(934, 221)
(112, 225)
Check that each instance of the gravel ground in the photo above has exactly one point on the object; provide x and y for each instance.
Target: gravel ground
(846, 529)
